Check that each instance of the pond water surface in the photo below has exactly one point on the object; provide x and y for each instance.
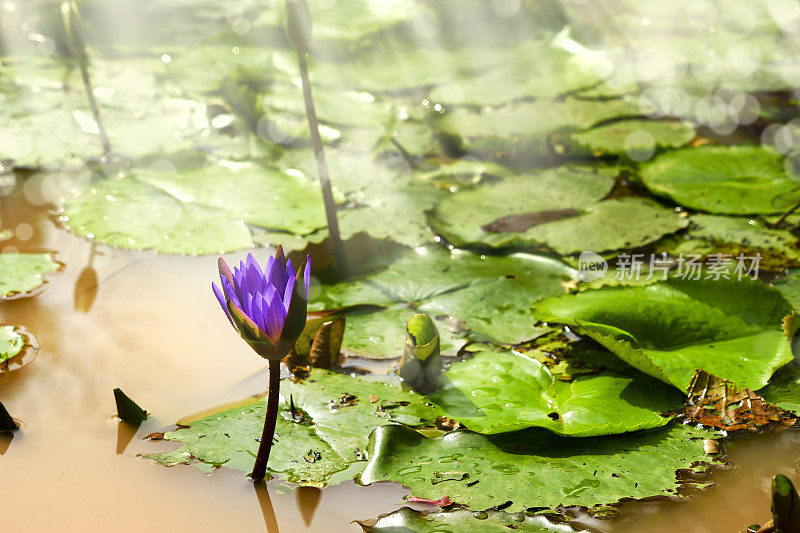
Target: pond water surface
(154, 329)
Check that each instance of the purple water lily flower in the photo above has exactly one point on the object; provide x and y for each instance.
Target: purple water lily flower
(267, 307)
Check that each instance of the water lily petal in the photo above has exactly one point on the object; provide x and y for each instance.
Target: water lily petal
(277, 275)
(295, 317)
(224, 270)
(275, 317)
(287, 295)
(307, 275)
(289, 271)
(229, 291)
(221, 300)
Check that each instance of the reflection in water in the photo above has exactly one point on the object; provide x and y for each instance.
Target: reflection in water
(264, 501)
(5, 441)
(86, 286)
(307, 502)
(125, 433)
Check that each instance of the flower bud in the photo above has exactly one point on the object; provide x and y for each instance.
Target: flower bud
(421, 363)
(298, 25)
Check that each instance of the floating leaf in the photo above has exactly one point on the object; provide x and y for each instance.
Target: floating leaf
(789, 286)
(561, 209)
(534, 69)
(407, 519)
(462, 173)
(23, 275)
(636, 138)
(669, 329)
(47, 122)
(718, 403)
(520, 132)
(194, 210)
(112, 212)
(18, 347)
(347, 21)
(331, 436)
(11, 343)
(734, 180)
(499, 392)
(713, 234)
(382, 200)
(535, 467)
(491, 296)
(783, 389)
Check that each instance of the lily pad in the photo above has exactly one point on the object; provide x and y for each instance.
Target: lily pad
(325, 435)
(789, 285)
(346, 20)
(499, 392)
(731, 329)
(732, 180)
(127, 213)
(11, 343)
(488, 297)
(534, 69)
(49, 123)
(17, 348)
(381, 200)
(535, 467)
(462, 173)
(521, 131)
(24, 274)
(561, 209)
(637, 138)
(783, 389)
(195, 210)
(716, 234)
(408, 520)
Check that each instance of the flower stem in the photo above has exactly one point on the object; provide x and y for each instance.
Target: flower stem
(322, 168)
(260, 468)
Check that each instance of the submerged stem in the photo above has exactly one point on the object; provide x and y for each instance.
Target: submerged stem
(322, 168)
(260, 467)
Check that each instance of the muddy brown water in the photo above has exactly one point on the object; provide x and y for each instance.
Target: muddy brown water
(155, 330)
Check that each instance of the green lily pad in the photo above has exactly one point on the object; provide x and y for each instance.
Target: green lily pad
(113, 212)
(499, 392)
(194, 210)
(408, 520)
(18, 347)
(334, 416)
(561, 209)
(462, 173)
(783, 389)
(521, 131)
(637, 138)
(732, 180)
(49, 123)
(346, 20)
(534, 69)
(11, 343)
(490, 295)
(716, 234)
(534, 467)
(381, 200)
(789, 285)
(669, 329)
(24, 274)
